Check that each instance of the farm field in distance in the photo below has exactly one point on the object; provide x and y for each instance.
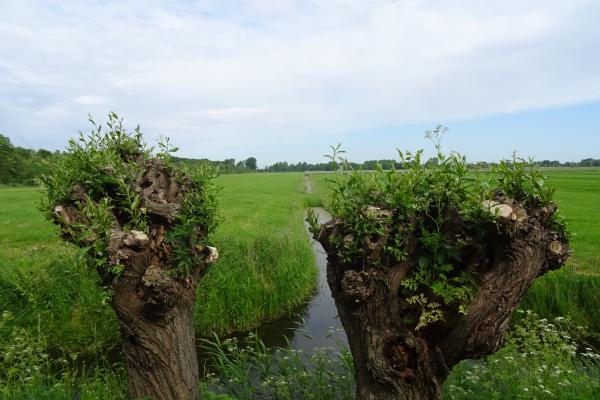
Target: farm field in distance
(262, 235)
(262, 242)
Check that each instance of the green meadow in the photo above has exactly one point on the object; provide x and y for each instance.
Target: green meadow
(578, 195)
(574, 289)
(266, 266)
(50, 299)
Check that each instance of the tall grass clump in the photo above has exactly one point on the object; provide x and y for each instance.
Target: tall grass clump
(60, 298)
(266, 267)
(249, 371)
(543, 359)
(28, 371)
(567, 293)
(259, 278)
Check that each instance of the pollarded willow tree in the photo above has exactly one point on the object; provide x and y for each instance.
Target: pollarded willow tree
(143, 224)
(427, 264)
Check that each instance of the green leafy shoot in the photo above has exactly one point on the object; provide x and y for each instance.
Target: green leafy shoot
(428, 210)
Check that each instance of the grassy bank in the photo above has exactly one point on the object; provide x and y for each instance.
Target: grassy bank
(542, 360)
(266, 267)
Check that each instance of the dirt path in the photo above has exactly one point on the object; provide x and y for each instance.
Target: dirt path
(307, 184)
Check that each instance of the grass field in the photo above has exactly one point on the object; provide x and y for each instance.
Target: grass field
(578, 196)
(262, 243)
(50, 301)
(43, 284)
(573, 290)
(23, 230)
(266, 267)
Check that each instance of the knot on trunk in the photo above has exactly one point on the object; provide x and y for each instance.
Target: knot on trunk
(115, 255)
(374, 245)
(401, 358)
(65, 215)
(358, 286)
(330, 230)
(213, 255)
(154, 277)
(544, 213)
(160, 291)
(558, 253)
(167, 211)
(72, 223)
(136, 240)
(160, 190)
(373, 212)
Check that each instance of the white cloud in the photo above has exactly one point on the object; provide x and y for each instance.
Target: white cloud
(214, 73)
(90, 100)
(230, 113)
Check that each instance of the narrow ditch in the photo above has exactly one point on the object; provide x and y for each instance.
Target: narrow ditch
(315, 323)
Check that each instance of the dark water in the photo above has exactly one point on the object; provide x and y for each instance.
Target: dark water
(313, 324)
(319, 319)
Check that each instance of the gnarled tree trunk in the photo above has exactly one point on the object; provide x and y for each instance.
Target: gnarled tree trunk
(154, 306)
(393, 359)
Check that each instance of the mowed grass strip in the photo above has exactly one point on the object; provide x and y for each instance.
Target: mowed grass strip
(266, 268)
(578, 197)
(23, 229)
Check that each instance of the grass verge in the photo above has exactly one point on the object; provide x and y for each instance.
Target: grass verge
(266, 267)
(542, 360)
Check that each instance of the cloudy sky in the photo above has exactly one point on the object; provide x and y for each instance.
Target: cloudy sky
(284, 79)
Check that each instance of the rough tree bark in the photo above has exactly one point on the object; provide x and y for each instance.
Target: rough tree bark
(392, 359)
(154, 308)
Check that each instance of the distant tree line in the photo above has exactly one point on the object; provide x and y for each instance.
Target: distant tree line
(587, 162)
(227, 166)
(283, 166)
(21, 166)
